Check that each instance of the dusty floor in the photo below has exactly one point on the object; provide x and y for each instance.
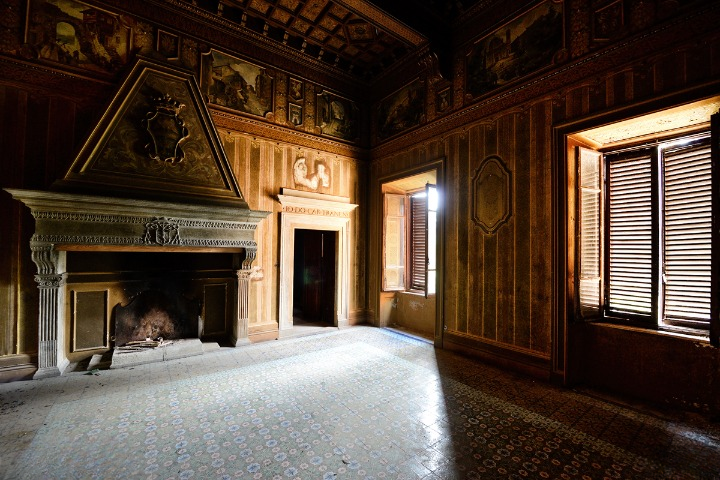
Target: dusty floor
(361, 402)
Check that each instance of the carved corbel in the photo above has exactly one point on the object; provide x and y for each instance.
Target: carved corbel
(250, 254)
(49, 263)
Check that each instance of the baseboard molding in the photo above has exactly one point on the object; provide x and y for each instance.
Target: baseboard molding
(529, 364)
(358, 317)
(260, 333)
(17, 367)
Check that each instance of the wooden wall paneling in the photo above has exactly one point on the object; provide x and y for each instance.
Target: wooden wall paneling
(476, 253)
(62, 116)
(489, 281)
(715, 54)
(8, 239)
(628, 86)
(489, 286)
(506, 237)
(451, 213)
(597, 95)
(37, 129)
(524, 151)
(699, 64)
(541, 318)
(374, 253)
(669, 71)
(558, 107)
(576, 103)
(464, 268)
(271, 233)
(643, 81)
(253, 174)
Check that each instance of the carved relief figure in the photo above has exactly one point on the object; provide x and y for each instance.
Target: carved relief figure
(320, 178)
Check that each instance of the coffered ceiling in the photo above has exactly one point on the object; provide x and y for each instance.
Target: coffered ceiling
(359, 37)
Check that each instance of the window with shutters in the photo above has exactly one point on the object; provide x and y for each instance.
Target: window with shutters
(410, 241)
(645, 220)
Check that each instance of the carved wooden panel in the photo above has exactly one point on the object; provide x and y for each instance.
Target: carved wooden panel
(491, 187)
(89, 318)
(215, 311)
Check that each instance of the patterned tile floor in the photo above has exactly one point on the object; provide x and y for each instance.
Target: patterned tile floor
(357, 403)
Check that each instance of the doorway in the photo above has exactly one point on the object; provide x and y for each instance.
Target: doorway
(314, 277)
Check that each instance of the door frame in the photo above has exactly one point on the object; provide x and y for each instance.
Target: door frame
(313, 211)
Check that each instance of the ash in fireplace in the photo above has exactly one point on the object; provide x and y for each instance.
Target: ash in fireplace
(155, 314)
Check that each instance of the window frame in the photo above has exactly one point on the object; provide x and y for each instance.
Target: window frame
(657, 318)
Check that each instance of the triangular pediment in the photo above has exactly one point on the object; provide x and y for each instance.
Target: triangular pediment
(156, 140)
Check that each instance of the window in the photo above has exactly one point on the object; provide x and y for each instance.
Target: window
(645, 225)
(410, 230)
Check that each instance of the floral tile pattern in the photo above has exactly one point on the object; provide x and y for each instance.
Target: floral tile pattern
(360, 403)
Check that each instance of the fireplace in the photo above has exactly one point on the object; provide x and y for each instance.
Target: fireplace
(151, 182)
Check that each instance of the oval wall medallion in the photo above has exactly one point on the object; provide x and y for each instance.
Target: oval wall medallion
(491, 194)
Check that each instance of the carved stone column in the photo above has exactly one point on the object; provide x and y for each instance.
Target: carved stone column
(51, 279)
(245, 275)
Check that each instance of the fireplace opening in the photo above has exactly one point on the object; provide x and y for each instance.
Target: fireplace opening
(157, 315)
(141, 300)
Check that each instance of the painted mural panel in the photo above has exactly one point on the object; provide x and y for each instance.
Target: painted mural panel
(402, 110)
(337, 116)
(523, 46)
(236, 84)
(77, 34)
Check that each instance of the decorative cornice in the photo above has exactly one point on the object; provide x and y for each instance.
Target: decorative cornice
(99, 218)
(228, 121)
(138, 241)
(309, 203)
(51, 81)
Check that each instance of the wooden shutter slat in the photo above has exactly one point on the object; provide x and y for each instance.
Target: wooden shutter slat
(630, 235)
(687, 234)
(590, 224)
(418, 254)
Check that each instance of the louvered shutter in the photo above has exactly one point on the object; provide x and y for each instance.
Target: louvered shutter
(431, 239)
(394, 243)
(687, 245)
(715, 295)
(590, 234)
(418, 244)
(630, 235)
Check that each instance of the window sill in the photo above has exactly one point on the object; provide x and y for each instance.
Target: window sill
(665, 331)
(416, 293)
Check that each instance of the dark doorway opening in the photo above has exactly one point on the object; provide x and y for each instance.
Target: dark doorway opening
(314, 277)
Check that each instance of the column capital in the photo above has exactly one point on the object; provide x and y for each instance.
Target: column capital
(254, 273)
(51, 280)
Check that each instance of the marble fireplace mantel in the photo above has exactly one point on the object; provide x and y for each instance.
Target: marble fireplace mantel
(66, 222)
